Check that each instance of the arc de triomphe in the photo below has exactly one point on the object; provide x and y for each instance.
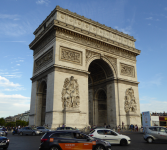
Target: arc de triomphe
(84, 73)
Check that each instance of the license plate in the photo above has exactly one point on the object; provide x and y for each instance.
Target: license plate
(2, 143)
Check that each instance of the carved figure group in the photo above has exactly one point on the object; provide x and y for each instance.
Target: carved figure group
(130, 103)
(70, 93)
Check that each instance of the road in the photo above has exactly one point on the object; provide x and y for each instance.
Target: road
(32, 143)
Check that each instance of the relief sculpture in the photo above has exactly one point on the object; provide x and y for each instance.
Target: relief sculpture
(71, 55)
(127, 70)
(70, 93)
(130, 102)
(45, 58)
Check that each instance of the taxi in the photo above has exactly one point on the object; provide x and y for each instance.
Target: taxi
(71, 140)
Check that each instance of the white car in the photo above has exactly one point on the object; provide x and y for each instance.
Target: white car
(154, 133)
(110, 136)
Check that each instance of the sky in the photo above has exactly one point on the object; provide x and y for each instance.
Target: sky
(146, 20)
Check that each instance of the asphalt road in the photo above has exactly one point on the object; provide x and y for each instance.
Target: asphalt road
(32, 143)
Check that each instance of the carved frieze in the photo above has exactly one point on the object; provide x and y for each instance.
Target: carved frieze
(90, 54)
(77, 38)
(70, 55)
(44, 42)
(70, 93)
(45, 58)
(130, 102)
(113, 61)
(127, 70)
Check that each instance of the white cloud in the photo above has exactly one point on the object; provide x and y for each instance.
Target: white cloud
(126, 30)
(152, 104)
(6, 16)
(149, 18)
(6, 85)
(11, 105)
(46, 2)
(15, 29)
(18, 64)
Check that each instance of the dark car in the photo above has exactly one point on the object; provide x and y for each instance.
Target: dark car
(65, 128)
(4, 142)
(100, 127)
(70, 140)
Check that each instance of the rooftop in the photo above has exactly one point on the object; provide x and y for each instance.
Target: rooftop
(82, 18)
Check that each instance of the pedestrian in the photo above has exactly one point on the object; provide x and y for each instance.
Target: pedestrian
(122, 125)
(119, 129)
(63, 125)
(137, 128)
(104, 125)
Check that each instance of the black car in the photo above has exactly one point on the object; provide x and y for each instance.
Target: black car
(69, 140)
(65, 128)
(4, 142)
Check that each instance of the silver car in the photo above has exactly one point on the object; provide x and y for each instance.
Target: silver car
(28, 131)
(42, 129)
(155, 133)
(2, 133)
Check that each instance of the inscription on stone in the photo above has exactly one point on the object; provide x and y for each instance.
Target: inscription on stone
(70, 55)
(127, 70)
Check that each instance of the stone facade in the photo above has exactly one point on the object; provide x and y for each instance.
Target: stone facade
(84, 73)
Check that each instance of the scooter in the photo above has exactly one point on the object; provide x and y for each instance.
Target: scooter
(14, 132)
(6, 132)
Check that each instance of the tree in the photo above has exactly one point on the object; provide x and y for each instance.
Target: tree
(10, 124)
(21, 123)
(2, 121)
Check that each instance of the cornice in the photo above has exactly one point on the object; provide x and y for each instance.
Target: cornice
(83, 33)
(82, 18)
(55, 67)
(95, 36)
(42, 34)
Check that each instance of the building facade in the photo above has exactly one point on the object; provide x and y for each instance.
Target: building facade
(84, 73)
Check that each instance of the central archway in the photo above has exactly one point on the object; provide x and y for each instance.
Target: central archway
(100, 78)
(42, 102)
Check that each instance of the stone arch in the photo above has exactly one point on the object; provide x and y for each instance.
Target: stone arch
(97, 92)
(41, 100)
(40, 85)
(101, 100)
(100, 77)
(106, 59)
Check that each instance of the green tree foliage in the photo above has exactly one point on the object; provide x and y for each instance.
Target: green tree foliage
(21, 123)
(10, 124)
(2, 121)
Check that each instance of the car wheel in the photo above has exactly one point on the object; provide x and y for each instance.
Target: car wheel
(123, 142)
(149, 140)
(54, 148)
(33, 134)
(21, 133)
(99, 147)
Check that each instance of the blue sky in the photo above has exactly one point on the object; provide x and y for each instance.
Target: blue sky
(146, 20)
